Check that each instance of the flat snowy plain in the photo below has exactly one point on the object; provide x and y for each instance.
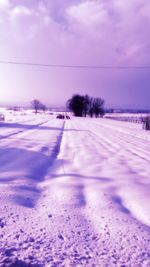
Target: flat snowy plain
(73, 192)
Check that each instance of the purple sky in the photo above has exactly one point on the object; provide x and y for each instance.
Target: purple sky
(85, 32)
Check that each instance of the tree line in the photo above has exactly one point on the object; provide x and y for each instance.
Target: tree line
(83, 105)
(80, 105)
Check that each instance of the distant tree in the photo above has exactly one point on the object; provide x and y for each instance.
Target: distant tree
(98, 107)
(85, 105)
(43, 107)
(76, 104)
(36, 104)
(91, 108)
(16, 108)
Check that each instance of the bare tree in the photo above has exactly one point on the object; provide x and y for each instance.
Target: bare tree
(43, 107)
(91, 109)
(98, 109)
(36, 104)
(86, 105)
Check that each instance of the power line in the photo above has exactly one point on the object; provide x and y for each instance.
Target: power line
(73, 66)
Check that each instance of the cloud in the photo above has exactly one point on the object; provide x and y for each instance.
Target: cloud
(88, 13)
(116, 26)
(20, 11)
(86, 32)
(116, 30)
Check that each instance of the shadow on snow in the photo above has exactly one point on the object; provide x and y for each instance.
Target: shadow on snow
(32, 167)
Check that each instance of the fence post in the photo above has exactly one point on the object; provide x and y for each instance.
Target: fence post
(146, 123)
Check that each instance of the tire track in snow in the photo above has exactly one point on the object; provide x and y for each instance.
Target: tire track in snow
(128, 134)
(66, 206)
(103, 205)
(38, 172)
(125, 142)
(134, 168)
(61, 230)
(28, 168)
(69, 239)
(22, 131)
(113, 164)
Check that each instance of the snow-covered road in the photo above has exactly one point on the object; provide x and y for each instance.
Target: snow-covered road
(74, 193)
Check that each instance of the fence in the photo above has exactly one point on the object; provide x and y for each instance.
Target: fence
(145, 120)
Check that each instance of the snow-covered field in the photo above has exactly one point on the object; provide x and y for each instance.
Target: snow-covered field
(74, 192)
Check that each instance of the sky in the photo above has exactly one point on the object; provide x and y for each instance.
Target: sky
(73, 32)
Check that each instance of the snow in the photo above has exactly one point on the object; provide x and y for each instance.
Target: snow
(73, 192)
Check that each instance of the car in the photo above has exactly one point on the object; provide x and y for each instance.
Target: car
(2, 117)
(60, 116)
(67, 117)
